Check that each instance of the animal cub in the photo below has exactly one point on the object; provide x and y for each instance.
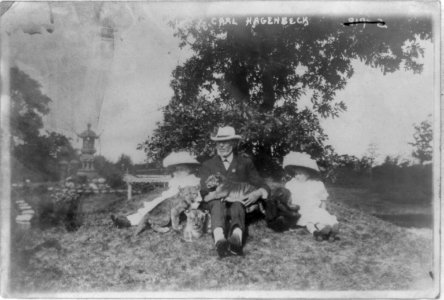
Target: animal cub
(281, 213)
(226, 190)
(196, 224)
(169, 210)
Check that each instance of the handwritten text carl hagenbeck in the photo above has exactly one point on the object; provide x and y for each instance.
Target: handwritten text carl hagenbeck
(263, 20)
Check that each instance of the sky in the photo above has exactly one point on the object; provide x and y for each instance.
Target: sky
(120, 87)
(382, 110)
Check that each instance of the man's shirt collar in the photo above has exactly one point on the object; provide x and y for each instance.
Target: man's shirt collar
(229, 158)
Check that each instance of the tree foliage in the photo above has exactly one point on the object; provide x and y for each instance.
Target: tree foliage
(124, 163)
(109, 170)
(423, 146)
(347, 169)
(43, 153)
(113, 172)
(253, 78)
(28, 105)
(396, 180)
(34, 151)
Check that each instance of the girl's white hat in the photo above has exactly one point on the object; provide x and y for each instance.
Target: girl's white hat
(300, 159)
(177, 158)
(225, 134)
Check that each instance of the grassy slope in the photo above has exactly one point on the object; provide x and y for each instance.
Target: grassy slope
(371, 255)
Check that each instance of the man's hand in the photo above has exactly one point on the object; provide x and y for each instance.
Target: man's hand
(214, 195)
(254, 196)
(194, 205)
(210, 196)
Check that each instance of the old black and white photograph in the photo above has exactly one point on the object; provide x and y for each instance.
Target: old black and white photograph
(222, 149)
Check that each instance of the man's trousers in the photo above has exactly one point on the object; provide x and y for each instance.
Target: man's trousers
(226, 215)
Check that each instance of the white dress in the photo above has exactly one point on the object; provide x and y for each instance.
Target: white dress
(309, 196)
(173, 188)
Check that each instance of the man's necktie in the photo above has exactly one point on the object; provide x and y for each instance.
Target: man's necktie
(226, 164)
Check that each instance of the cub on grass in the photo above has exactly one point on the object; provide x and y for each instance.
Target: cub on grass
(196, 224)
(169, 210)
(281, 213)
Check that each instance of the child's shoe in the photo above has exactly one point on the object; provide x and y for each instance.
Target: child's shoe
(326, 231)
(120, 221)
(334, 233)
(318, 236)
(333, 238)
(278, 224)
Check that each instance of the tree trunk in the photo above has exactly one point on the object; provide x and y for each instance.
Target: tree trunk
(268, 90)
(239, 88)
(236, 75)
(264, 161)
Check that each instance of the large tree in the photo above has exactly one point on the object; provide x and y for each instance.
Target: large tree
(125, 163)
(253, 77)
(28, 106)
(34, 151)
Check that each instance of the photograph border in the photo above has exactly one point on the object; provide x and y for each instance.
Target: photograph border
(5, 204)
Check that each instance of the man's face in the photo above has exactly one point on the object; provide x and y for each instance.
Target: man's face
(225, 148)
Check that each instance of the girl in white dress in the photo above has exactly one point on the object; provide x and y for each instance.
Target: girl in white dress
(181, 164)
(309, 192)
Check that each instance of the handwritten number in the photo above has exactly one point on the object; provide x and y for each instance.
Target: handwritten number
(381, 24)
(351, 21)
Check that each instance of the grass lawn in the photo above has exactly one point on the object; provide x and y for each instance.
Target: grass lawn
(371, 255)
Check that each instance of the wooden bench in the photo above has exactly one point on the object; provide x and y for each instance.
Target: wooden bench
(130, 179)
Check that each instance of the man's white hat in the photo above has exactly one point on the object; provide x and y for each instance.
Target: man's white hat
(225, 134)
(177, 158)
(300, 159)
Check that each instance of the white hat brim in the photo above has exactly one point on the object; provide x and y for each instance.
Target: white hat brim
(179, 158)
(300, 159)
(226, 138)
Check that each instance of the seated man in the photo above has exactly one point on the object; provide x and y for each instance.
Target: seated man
(237, 168)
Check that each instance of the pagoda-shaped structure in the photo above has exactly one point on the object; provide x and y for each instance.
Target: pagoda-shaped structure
(87, 153)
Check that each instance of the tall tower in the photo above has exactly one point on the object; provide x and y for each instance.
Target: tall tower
(87, 153)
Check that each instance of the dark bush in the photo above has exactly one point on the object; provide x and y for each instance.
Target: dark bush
(61, 207)
(109, 171)
(347, 170)
(115, 180)
(408, 184)
(80, 179)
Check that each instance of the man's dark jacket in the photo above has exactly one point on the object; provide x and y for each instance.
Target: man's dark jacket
(241, 169)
